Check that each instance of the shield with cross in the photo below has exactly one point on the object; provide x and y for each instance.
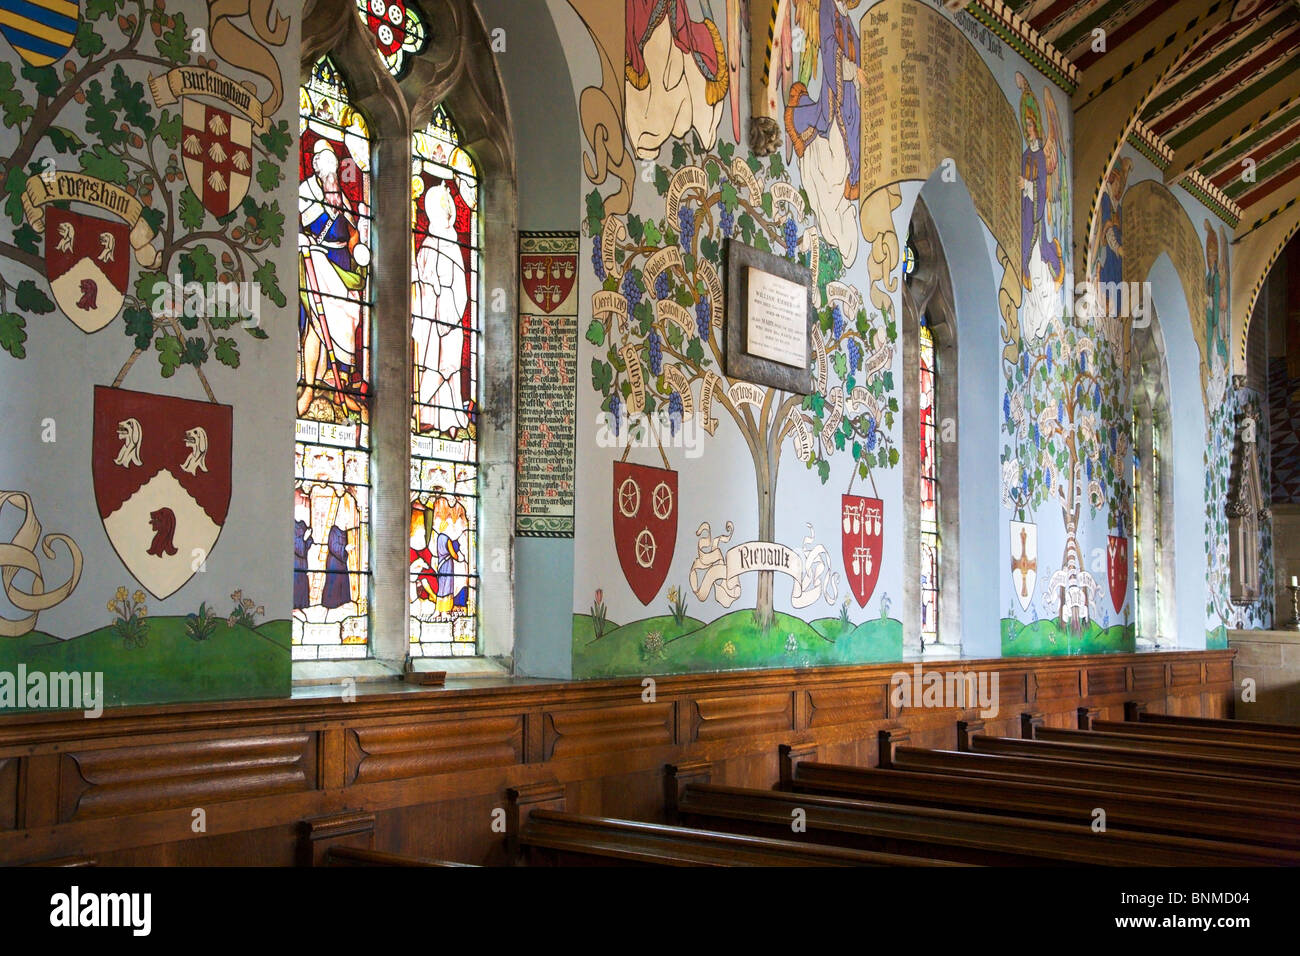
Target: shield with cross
(862, 541)
(645, 525)
(1024, 561)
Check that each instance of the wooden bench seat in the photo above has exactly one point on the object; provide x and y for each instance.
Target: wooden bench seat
(560, 838)
(1224, 735)
(1241, 769)
(357, 856)
(951, 834)
(1132, 712)
(1265, 794)
(1274, 827)
(1235, 750)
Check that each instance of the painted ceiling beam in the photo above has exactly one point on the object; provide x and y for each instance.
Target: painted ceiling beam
(1238, 123)
(1112, 95)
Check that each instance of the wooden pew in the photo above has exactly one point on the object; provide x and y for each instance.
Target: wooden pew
(541, 832)
(1263, 794)
(1242, 769)
(1208, 734)
(569, 839)
(1135, 712)
(951, 834)
(1047, 801)
(357, 856)
(1278, 756)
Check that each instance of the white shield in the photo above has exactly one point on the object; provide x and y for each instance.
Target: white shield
(1024, 561)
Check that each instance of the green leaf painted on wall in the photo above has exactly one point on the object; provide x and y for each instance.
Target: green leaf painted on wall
(13, 333)
(88, 42)
(277, 139)
(268, 175)
(29, 297)
(169, 354)
(102, 164)
(596, 333)
(174, 44)
(602, 376)
(227, 352)
(64, 140)
(196, 351)
(191, 210)
(101, 116)
(169, 128)
(44, 78)
(98, 9)
(198, 265)
(135, 107)
(265, 276)
(139, 325)
(15, 111)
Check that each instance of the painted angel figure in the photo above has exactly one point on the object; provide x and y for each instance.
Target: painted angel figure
(826, 132)
(677, 75)
(440, 294)
(333, 255)
(1041, 263)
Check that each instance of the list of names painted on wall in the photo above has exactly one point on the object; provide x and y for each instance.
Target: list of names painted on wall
(922, 80)
(548, 354)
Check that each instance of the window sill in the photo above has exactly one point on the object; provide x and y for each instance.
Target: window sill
(308, 673)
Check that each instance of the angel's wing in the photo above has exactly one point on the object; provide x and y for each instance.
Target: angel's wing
(1052, 147)
(807, 17)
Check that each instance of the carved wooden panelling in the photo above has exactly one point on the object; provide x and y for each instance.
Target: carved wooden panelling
(8, 793)
(1106, 680)
(1053, 684)
(1148, 676)
(717, 717)
(1216, 671)
(127, 780)
(1181, 674)
(575, 733)
(399, 751)
(846, 704)
(1013, 688)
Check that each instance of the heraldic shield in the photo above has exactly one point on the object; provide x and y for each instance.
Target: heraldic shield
(547, 280)
(1117, 569)
(217, 149)
(41, 31)
(645, 525)
(88, 263)
(862, 538)
(1024, 561)
(162, 474)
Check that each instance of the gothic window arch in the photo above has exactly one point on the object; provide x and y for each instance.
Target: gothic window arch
(433, 416)
(931, 609)
(1247, 510)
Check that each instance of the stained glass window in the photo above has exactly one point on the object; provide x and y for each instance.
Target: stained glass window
(909, 260)
(445, 338)
(929, 490)
(331, 578)
(398, 31)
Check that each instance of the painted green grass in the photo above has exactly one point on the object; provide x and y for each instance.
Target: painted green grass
(1217, 639)
(1047, 637)
(235, 662)
(730, 642)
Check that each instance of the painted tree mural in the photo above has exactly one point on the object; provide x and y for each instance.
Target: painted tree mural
(1065, 412)
(134, 142)
(659, 317)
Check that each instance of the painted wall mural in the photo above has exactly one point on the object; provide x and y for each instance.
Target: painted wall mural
(145, 197)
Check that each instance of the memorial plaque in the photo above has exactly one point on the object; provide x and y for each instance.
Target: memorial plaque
(768, 320)
(548, 376)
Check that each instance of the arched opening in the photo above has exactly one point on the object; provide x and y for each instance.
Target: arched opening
(438, 124)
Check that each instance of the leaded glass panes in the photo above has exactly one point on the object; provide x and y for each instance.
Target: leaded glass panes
(331, 584)
(398, 32)
(445, 342)
(929, 488)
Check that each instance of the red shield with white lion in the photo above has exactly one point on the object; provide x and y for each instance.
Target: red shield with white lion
(88, 263)
(645, 525)
(1117, 569)
(862, 538)
(162, 474)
